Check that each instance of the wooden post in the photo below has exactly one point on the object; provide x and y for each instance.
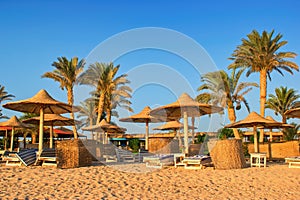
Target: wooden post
(185, 131)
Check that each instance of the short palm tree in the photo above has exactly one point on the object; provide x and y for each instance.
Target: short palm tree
(87, 112)
(226, 91)
(4, 96)
(283, 100)
(66, 73)
(259, 53)
(103, 77)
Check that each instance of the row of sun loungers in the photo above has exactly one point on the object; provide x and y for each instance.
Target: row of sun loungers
(29, 157)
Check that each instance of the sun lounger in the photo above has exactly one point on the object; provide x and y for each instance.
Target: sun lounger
(10, 158)
(197, 162)
(48, 157)
(294, 162)
(27, 156)
(159, 161)
(124, 156)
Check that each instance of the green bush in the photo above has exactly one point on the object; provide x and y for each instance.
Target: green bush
(134, 144)
(225, 133)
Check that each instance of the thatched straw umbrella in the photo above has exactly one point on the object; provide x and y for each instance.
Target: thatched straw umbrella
(41, 103)
(106, 127)
(184, 107)
(293, 113)
(13, 122)
(173, 125)
(52, 120)
(256, 121)
(143, 117)
(280, 125)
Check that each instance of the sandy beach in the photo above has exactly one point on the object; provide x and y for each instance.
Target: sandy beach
(135, 181)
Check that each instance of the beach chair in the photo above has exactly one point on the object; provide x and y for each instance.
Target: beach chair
(27, 156)
(109, 153)
(124, 156)
(159, 161)
(10, 158)
(294, 162)
(47, 158)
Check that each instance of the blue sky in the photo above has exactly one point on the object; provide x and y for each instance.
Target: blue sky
(35, 33)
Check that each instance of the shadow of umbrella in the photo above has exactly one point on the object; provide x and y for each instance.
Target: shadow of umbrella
(13, 122)
(41, 103)
(184, 107)
(52, 120)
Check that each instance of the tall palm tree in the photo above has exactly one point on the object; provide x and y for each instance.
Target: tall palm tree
(103, 77)
(283, 100)
(66, 73)
(259, 53)
(4, 96)
(226, 91)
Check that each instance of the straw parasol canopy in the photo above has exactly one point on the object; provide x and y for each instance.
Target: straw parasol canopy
(13, 122)
(41, 103)
(143, 117)
(256, 121)
(173, 125)
(106, 127)
(52, 120)
(184, 107)
(293, 113)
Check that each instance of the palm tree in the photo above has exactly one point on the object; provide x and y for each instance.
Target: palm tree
(259, 53)
(87, 112)
(226, 91)
(4, 96)
(117, 99)
(291, 133)
(283, 100)
(66, 73)
(103, 77)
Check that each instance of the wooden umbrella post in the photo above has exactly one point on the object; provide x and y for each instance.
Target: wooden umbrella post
(193, 130)
(147, 135)
(41, 135)
(51, 137)
(185, 130)
(12, 139)
(5, 141)
(255, 139)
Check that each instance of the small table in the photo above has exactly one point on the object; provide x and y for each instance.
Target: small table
(294, 162)
(258, 159)
(178, 159)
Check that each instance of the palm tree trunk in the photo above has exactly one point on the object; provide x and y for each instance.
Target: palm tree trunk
(232, 118)
(100, 106)
(108, 115)
(263, 94)
(70, 102)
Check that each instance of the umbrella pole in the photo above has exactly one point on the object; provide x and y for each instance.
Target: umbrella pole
(179, 138)
(51, 137)
(255, 139)
(193, 130)
(41, 135)
(147, 135)
(185, 130)
(5, 141)
(12, 139)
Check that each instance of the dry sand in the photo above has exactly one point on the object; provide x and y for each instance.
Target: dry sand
(103, 182)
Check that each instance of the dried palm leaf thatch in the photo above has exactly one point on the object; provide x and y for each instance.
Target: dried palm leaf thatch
(228, 154)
